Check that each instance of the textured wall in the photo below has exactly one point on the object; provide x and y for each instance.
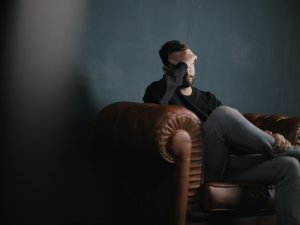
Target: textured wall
(248, 50)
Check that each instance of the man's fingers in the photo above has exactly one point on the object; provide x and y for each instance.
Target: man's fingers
(189, 56)
(287, 144)
(281, 144)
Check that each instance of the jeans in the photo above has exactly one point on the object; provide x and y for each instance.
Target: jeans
(227, 129)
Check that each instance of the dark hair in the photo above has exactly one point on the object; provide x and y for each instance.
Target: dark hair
(169, 47)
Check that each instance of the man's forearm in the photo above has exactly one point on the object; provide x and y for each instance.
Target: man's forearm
(173, 81)
(169, 91)
(162, 91)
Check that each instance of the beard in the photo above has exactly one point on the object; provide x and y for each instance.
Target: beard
(187, 81)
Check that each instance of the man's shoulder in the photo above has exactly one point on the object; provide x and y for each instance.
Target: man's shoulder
(154, 91)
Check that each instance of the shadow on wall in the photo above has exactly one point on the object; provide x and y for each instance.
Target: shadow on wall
(52, 170)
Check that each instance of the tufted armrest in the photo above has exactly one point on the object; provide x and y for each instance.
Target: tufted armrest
(146, 128)
(289, 127)
(140, 136)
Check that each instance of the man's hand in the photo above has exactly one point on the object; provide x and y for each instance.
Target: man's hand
(281, 144)
(186, 56)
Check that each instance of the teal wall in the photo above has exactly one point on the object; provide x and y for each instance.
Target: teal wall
(248, 50)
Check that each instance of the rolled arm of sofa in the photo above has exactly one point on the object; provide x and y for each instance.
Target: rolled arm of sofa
(289, 127)
(141, 136)
(146, 128)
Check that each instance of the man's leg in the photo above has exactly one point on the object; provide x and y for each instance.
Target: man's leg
(226, 128)
(284, 173)
(293, 152)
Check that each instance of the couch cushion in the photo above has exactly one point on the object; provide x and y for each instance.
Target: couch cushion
(236, 196)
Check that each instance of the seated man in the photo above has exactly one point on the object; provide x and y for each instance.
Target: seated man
(226, 131)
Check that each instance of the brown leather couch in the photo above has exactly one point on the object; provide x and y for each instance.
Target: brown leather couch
(157, 168)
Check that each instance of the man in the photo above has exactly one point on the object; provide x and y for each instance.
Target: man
(226, 131)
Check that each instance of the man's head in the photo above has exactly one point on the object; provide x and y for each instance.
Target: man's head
(173, 52)
(171, 47)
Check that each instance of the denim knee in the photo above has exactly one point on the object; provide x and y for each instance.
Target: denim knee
(224, 110)
(221, 115)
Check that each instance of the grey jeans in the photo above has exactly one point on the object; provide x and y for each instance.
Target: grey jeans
(227, 129)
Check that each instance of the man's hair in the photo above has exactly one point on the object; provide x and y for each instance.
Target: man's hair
(170, 47)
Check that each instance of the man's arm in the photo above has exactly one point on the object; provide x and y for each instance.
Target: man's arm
(162, 91)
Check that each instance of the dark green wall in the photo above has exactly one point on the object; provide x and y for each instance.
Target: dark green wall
(248, 50)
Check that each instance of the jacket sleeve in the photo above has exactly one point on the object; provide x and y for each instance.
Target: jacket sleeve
(161, 92)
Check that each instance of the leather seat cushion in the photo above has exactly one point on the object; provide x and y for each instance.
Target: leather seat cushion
(236, 196)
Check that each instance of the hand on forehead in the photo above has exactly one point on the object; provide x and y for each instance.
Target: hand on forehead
(182, 56)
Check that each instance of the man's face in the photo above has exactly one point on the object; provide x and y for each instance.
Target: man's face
(189, 58)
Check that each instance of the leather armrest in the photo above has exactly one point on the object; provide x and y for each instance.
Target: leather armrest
(146, 128)
(138, 134)
(289, 127)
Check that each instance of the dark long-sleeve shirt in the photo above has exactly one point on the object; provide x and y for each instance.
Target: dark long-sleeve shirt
(165, 91)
